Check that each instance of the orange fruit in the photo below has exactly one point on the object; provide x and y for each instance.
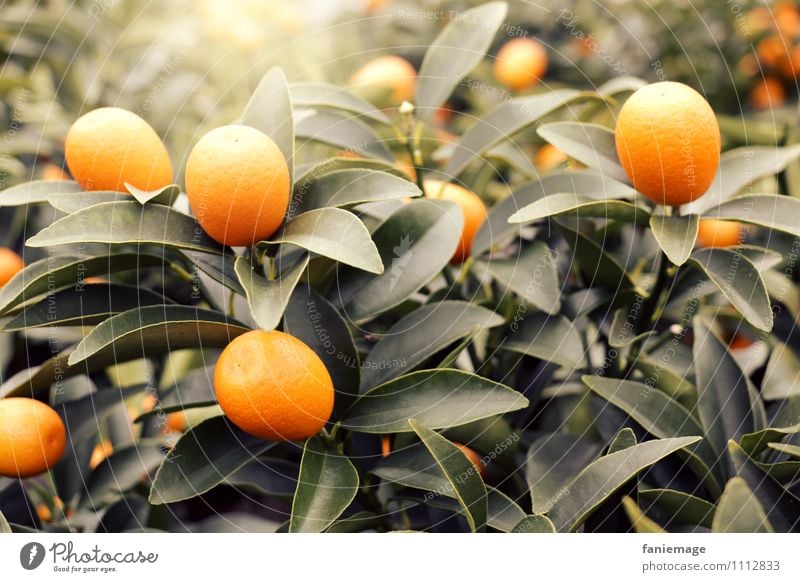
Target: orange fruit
(10, 264)
(472, 208)
(668, 141)
(44, 512)
(787, 18)
(32, 437)
(740, 342)
(53, 172)
(273, 386)
(719, 233)
(110, 146)
(767, 93)
(100, 453)
(476, 459)
(237, 181)
(772, 51)
(386, 446)
(176, 421)
(389, 72)
(548, 157)
(520, 63)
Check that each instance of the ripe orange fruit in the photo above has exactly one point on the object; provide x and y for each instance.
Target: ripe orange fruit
(476, 459)
(32, 437)
(389, 72)
(386, 446)
(10, 264)
(767, 93)
(668, 141)
(100, 452)
(110, 146)
(787, 18)
(520, 63)
(176, 422)
(471, 206)
(44, 512)
(719, 233)
(53, 172)
(273, 386)
(771, 51)
(740, 342)
(549, 157)
(237, 181)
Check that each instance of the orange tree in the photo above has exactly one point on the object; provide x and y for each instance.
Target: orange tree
(573, 362)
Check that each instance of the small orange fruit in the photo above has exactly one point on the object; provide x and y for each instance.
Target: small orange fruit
(100, 453)
(389, 72)
(520, 63)
(787, 18)
(772, 51)
(44, 512)
(53, 172)
(176, 421)
(668, 141)
(273, 386)
(110, 146)
(548, 157)
(740, 341)
(471, 206)
(32, 437)
(719, 233)
(386, 446)
(10, 264)
(237, 181)
(767, 93)
(476, 459)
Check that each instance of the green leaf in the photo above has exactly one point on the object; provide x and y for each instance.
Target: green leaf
(739, 281)
(333, 233)
(727, 403)
(619, 85)
(496, 229)
(662, 417)
(503, 122)
(83, 305)
(266, 476)
(533, 275)
(754, 443)
(511, 154)
(74, 201)
(553, 461)
(739, 511)
(624, 439)
(152, 331)
(454, 53)
(268, 298)
(678, 505)
(740, 167)
(582, 207)
(419, 395)
(347, 187)
(791, 450)
(127, 223)
(675, 235)
(270, 111)
(415, 244)
(603, 477)
(421, 334)
(550, 338)
(621, 333)
(327, 96)
(534, 524)
(343, 132)
(327, 484)
(61, 271)
(588, 143)
(120, 472)
(781, 505)
(203, 458)
(640, 522)
(4, 527)
(308, 173)
(194, 390)
(165, 195)
(36, 191)
(773, 211)
(312, 319)
(462, 476)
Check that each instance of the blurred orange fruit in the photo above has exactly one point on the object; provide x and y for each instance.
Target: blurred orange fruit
(100, 453)
(668, 141)
(53, 172)
(110, 146)
(719, 233)
(237, 181)
(389, 72)
(273, 386)
(472, 207)
(32, 437)
(10, 264)
(476, 459)
(520, 63)
(767, 93)
(549, 157)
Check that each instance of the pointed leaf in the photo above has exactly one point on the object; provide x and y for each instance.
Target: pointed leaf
(739, 511)
(676, 235)
(777, 212)
(74, 201)
(533, 275)
(588, 143)
(581, 206)
(553, 339)
(268, 299)
(327, 96)
(420, 395)
(347, 133)
(683, 507)
(120, 472)
(36, 191)
(534, 524)
(640, 522)
(166, 195)
(327, 484)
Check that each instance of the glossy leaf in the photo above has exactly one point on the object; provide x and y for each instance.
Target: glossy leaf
(604, 476)
(421, 334)
(550, 338)
(533, 275)
(739, 511)
(327, 484)
(588, 143)
(675, 235)
(420, 395)
(203, 458)
(268, 298)
(454, 53)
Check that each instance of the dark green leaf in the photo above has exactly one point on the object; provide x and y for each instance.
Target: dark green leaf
(120, 472)
(268, 298)
(533, 275)
(777, 212)
(676, 235)
(327, 484)
(739, 511)
(534, 524)
(679, 505)
(36, 191)
(588, 143)
(624, 439)
(551, 338)
(266, 476)
(582, 207)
